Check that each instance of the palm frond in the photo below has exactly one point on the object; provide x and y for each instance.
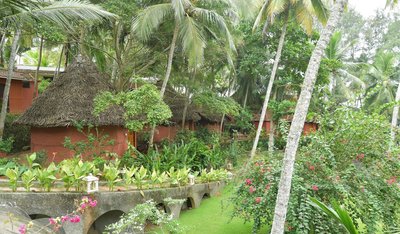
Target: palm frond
(193, 42)
(179, 8)
(304, 18)
(62, 13)
(320, 10)
(261, 15)
(275, 7)
(149, 20)
(214, 19)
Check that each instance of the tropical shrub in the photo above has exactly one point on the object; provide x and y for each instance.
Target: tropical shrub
(135, 220)
(346, 160)
(6, 144)
(20, 133)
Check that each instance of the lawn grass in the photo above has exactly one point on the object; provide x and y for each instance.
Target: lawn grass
(213, 217)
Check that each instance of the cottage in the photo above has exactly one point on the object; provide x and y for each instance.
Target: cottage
(176, 102)
(67, 101)
(21, 91)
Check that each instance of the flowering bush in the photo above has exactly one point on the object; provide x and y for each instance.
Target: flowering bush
(346, 161)
(57, 222)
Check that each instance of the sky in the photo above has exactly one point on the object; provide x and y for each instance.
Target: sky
(367, 7)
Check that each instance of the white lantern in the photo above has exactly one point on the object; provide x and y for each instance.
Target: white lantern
(92, 183)
(229, 175)
(191, 179)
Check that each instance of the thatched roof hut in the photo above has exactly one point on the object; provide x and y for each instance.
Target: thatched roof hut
(69, 99)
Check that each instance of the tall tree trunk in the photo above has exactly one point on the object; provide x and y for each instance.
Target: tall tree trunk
(67, 52)
(271, 139)
(9, 78)
(2, 43)
(395, 116)
(269, 89)
(221, 126)
(299, 118)
(57, 71)
(35, 84)
(167, 75)
(245, 97)
(185, 108)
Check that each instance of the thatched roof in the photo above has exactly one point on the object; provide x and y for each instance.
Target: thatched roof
(69, 99)
(176, 103)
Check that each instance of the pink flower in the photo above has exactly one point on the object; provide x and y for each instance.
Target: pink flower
(315, 187)
(22, 229)
(392, 180)
(267, 187)
(64, 219)
(83, 206)
(258, 199)
(248, 181)
(93, 203)
(252, 189)
(52, 221)
(75, 219)
(311, 167)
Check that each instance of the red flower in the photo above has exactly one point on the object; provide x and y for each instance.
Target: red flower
(360, 156)
(252, 189)
(315, 188)
(258, 199)
(311, 167)
(248, 181)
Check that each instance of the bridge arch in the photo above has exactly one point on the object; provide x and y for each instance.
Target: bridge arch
(99, 225)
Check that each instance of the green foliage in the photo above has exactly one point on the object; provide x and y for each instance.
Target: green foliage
(27, 179)
(13, 176)
(111, 174)
(47, 176)
(347, 160)
(195, 154)
(6, 163)
(140, 176)
(337, 213)
(6, 145)
(136, 219)
(141, 106)
(43, 84)
(178, 177)
(72, 172)
(211, 103)
(94, 144)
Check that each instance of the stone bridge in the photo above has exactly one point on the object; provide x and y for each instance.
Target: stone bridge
(111, 205)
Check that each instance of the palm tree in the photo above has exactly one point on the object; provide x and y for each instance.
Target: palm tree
(300, 10)
(299, 118)
(343, 84)
(383, 78)
(191, 24)
(16, 13)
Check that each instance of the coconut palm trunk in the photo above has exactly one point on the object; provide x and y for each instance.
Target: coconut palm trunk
(167, 75)
(269, 89)
(299, 118)
(57, 71)
(395, 116)
(10, 74)
(35, 84)
(245, 97)
(2, 43)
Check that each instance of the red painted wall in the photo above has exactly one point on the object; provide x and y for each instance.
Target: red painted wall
(52, 139)
(20, 98)
(307, 129)
(266, 125)
(169, 132)
(213, 127)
